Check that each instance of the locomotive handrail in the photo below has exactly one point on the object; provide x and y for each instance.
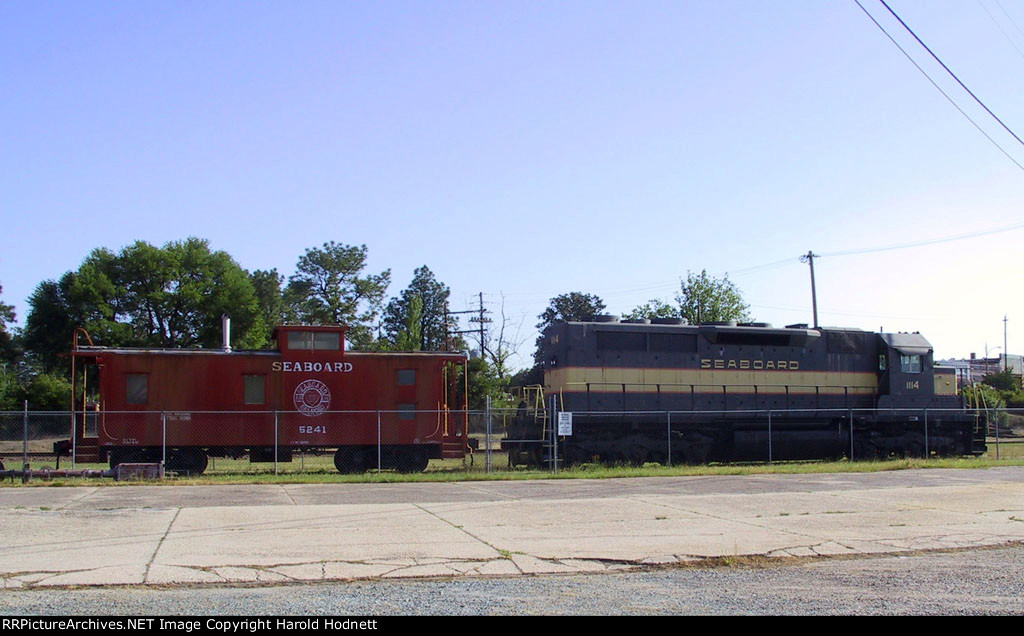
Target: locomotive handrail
(719, 384)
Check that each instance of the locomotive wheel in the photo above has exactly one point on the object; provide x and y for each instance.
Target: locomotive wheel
(864, 450)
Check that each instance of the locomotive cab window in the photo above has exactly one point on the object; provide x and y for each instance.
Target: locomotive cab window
(910, 364)
(255, 389)
(136, 388)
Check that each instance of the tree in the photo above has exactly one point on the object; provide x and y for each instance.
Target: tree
(1004, 381)
(501, 345)
(269, 298)
(410, 338)
(569, 307)
(8, 351)
(424, 302)
(328, 289)
(9, 387)
(145, 296)
(654, 308)
(703, 298)
(175, 296)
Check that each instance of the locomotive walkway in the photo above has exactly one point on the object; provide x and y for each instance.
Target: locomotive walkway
(285, 533)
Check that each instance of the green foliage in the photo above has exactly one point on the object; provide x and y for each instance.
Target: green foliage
(485, 382)
(573, 306)
(980, 396)
(48, 392)
(8, 346)
(703, 298)
(654, 308)
(1003, 381)
(267, 286)
(410, 338)
(424, 302)
(11, 394)
(145, 296)
(328, 289)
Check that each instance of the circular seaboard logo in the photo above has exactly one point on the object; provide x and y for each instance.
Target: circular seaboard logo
(312, 398)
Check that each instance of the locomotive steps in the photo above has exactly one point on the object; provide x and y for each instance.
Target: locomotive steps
(304, 532)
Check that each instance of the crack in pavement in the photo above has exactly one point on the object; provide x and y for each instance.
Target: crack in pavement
(159, 543)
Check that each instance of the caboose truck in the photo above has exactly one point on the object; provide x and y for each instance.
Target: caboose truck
(309, 394)
(664, 391)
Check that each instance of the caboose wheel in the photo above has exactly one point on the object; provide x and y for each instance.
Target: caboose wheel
(353, 460)
(187, 461)
(412, 460)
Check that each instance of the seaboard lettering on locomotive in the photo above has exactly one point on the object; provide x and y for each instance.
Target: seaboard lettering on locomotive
(183, 406)
(663, 390)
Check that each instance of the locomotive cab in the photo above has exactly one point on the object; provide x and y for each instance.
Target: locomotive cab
(906, 377)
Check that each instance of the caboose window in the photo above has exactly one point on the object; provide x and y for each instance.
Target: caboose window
(300, 340)
(136, 388)
(314, 340)
(326, 340)
(910, 364)
(407, 377)
(255, 389)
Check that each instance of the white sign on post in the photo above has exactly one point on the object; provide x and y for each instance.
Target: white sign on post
(565, 423)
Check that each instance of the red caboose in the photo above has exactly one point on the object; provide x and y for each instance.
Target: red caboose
(396, 410)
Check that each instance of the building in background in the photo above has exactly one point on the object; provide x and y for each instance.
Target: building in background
(977, 369)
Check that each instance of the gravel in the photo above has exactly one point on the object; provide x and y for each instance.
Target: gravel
(983, 581)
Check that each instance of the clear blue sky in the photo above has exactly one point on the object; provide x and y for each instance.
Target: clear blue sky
(528, 149)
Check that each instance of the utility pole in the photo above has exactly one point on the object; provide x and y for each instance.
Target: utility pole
(482, 319)
(809, 259)
(1006, 352)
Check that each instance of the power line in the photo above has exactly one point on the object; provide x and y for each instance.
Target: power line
(1012, 21)
(1000, 27)
(937, 87)
(951, 73)
(947, 239)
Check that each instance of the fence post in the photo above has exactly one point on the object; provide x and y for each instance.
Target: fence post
(24, 448)
(163, 439)
(554, 434)
(275, 443)
(769, 436)
(997, 434)
(378, 442)
(668, 437)
(927, 454)
(850, 415)
(74, 436)
(487, 439)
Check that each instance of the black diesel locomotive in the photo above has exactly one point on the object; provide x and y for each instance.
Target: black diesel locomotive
(664, 390)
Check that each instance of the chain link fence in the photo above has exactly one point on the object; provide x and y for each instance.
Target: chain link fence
(279, 442)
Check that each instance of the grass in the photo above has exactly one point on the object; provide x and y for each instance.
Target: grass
(319, 469)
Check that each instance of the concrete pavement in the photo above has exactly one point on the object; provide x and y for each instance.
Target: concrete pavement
(158, 535)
